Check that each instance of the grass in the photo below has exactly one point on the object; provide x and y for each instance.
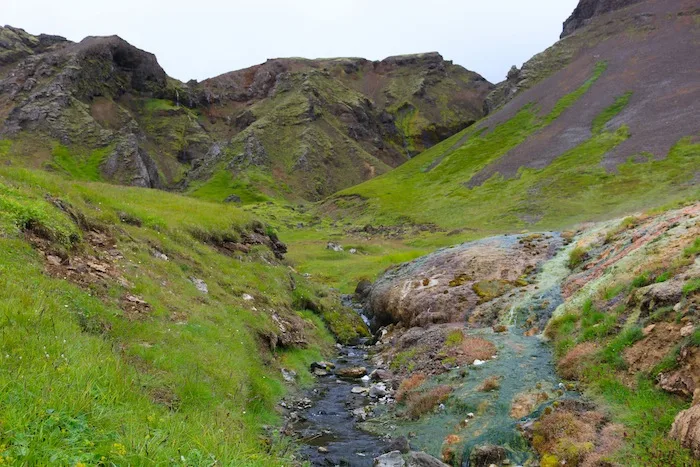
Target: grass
(222, 184)
(693, 250)
(79, 167)
(647, 412)
(691, 286)
(572, 188)
(576, 257)
(604, 117)
(194, 379)
(157, 105)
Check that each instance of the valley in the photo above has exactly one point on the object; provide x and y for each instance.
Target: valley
(351, 262)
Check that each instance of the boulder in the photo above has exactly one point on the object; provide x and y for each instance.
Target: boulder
(200, 285)
(466, 282)
(363, 288)
(377, 390)
(233, 199)
(399, 444)
(686, 429)
(421, 459)
(486, 455)
(352, 372)
(390, 459)
(654, 296)
(381, 375)
(334, 246)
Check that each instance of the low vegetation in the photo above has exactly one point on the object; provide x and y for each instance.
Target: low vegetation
(137, 364)
(591, 342)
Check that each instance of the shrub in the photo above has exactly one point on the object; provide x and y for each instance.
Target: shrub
(418, 404)
(663, 277)
(641, 280)
(576, 257)
(409, 384)
(491, 383)
(454, 338)
(476, 348)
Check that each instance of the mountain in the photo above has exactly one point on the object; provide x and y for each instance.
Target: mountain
(603, 122)
(291, 128)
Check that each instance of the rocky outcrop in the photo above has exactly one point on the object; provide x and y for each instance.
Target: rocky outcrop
(686, 427)
(504, 91)
(466, 282)
(16, 44)
(317, 126)
(587, 9)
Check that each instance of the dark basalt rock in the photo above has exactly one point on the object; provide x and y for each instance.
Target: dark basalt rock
(114, 61)
(587, 9)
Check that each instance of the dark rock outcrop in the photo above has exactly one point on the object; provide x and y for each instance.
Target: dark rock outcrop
(587, 9)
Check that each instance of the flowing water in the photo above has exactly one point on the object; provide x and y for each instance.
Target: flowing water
(330, 423)
(523, 366)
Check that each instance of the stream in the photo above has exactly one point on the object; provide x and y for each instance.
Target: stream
(332, 434)
(329, 424)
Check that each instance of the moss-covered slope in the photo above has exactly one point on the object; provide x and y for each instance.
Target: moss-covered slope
(289, 128)
(595, 134)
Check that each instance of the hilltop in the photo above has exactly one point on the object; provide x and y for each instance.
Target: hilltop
(296, 129)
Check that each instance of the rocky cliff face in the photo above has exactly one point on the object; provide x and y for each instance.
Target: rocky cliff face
(311, 127)
(587, 9)
(84, 97)
(329, 124)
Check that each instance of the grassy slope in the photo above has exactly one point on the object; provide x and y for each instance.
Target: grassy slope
(189, 382)
(573, 188)
(430, 189)
(590, 317)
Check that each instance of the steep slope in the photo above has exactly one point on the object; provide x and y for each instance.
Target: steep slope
(323, 125)
(141, 327)
(293, 128)
(604, 121)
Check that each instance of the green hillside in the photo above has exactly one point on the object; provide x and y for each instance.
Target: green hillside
(432, 187)
(112, 354)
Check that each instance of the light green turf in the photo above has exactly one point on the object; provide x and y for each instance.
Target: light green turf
(192, 381)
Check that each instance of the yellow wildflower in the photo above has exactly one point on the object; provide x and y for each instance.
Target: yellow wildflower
(118, 449)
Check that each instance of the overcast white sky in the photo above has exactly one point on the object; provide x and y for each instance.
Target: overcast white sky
(203, 38)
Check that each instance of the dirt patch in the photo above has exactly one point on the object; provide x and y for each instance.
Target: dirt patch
(650, 351)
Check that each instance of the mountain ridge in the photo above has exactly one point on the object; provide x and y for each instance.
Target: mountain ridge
(103, 93)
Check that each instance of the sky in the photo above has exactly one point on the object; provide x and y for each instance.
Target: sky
(199, 39)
